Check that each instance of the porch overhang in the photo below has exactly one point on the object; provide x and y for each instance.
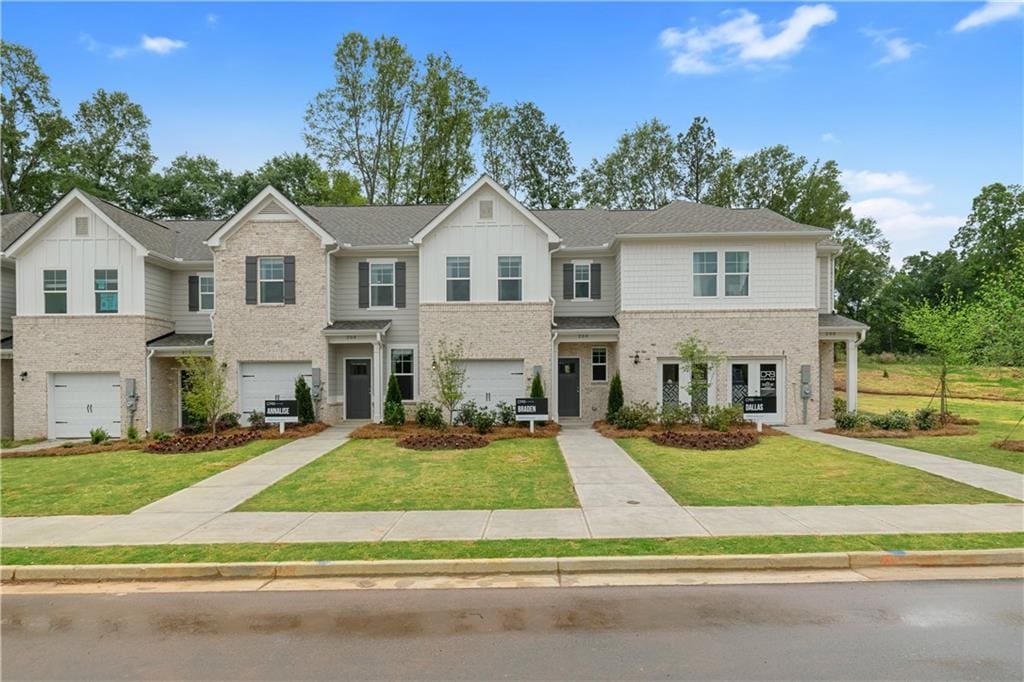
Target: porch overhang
(177, 345)
(356, 331)
(832, 327)
(7, 348)
(586, 329)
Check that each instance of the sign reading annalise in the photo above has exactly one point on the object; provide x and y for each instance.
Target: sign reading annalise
(281, 411)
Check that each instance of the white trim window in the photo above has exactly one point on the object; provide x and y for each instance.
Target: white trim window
(581, 281)
(705, 273)
(403, 367)
(382, 285)
(105, 291)
(599, 364)
(206, 293)
(55, 292)
(457, 277)
(737, 273)
(271, 279)
(510, 278)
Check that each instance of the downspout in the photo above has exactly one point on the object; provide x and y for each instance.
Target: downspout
(149, 393)
(553, 389)
(330, 288)
(379, 398)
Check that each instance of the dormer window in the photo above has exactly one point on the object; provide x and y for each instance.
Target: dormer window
(82, 226)
(486, 209)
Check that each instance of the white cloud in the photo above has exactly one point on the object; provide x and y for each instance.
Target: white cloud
(989, 13)
(212, 19)
(161, 44)
(741, 39)
(872, 182)
(894, 48)
(911, 227)
(829, 137)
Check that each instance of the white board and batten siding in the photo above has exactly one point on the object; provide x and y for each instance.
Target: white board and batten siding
(658, 275)
(345, 295)
(60, 249)
(464, 234)
(186, 321)
(606, 305)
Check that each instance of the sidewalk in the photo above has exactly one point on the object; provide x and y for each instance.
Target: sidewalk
(993, 479)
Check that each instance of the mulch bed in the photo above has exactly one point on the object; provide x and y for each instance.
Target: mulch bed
(443, 440)
(611, 431)
(1011, 445)
(82, 449)
(948, 430)
(291, 431)
(203, 442)
(369, 431)
(707, 440)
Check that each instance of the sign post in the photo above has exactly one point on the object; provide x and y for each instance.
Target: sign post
(281, 412)
(531, 410)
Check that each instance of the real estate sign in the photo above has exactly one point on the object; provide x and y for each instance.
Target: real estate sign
(281, 411)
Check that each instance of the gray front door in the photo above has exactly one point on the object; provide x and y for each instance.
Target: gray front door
(568, 387)
(357, 389)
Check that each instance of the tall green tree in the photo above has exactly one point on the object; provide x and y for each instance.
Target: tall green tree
(193, 187)
(700, 160)
(33, 133)
(110, 150)
(303, 181)
(862, 268)
(994, 229)
(1001, 314)
(770, 178)
(447, 103)
(641, 172)
(362, 122)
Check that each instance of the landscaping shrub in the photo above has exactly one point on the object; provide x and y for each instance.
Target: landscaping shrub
(467, 413)
(429, 415)
(897, 420)
(228, 420)
(721, 417)
(615, 398)
(848, 421)
(394, 411)
(673, 415)
(506, 414)
(161, 436)
(133, 434)
(443, 441)
(707, 440)
(97, 436)
(537, 387)
(635, 416)
(203, 443)
(257, 420)
(305, 401)
(926, 419)
(838, 405)
(483, 421)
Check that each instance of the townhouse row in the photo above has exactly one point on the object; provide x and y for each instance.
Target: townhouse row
(100, 304)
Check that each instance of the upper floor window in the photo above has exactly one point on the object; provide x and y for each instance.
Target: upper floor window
(457, 278)
(271, 272)
(599, 364)
(55, 292)
(403, 368)
(737, 273)
(581, 280)
(206, 292)
(510, 278)
(106, 291)
(382, 285)
(705, 273)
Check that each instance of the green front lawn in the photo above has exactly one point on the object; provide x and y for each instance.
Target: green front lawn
(365, 475)
(784, 471)
(922, 378)
(996, 420)
(487, 549)
(109, 482)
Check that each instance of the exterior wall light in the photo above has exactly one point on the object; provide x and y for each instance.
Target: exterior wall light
(636, 358)
(23, 376)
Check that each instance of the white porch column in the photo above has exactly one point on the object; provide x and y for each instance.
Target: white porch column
(376, 392)
(851, 375)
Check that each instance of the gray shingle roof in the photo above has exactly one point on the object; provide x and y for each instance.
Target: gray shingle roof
(830, 320)
(373, 225)
(681, 217)
(189, 238)
(13, 225)
(589, 226)
(569, 323)
(152, 235)
(175, 340)
(357, 325)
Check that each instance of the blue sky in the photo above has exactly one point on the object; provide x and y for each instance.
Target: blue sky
(920, 103)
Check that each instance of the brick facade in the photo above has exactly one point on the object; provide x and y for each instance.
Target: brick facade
(6, 398)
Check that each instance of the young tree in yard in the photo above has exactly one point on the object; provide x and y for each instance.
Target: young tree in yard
(205, 393)
(449, 375)
(536, 387)
(695, 354)
(304, 398)
(615, 397)
(394, 411)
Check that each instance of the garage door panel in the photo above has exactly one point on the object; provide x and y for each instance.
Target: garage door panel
(489, 382)
(83, 402)
(262, 381)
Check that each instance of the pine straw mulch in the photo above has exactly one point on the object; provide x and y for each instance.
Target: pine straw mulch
(611, 431)
(370, 431)
(82, 449)
(442, 440)
(707, 440)
(947, 430)
(1011, 445)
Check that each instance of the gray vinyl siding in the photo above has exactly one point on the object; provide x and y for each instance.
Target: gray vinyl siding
(186, 322)
(158, 292)
(617, 277)
(608, 302)
(345, 296)
(7, 298)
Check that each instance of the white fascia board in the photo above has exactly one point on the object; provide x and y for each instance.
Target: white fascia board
(216, 239)
(39, 226)
(485, 181)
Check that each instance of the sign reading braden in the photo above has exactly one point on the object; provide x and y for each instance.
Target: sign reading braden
(531, 409)
(281, 411)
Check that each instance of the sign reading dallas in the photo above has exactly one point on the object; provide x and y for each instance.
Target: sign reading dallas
(531, 409)
(281, 411)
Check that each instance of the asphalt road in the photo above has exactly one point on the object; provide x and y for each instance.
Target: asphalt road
(912, 630)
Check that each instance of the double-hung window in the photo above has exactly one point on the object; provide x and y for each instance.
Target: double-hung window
(402, 366)
(510, 278)
(457, 278)
(705, 273)
(581, 280)
(737, 273)
(55, 292)
(271, 270)
(206, 292)
(599, 364)
(382, 285)
(106, 291)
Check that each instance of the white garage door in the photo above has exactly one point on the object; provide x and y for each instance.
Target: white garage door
(262, 381)
(83, 402)
(489, 382)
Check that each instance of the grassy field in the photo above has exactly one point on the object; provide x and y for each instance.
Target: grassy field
(783, 470)
(108, 482)
(484, 549)
(365, 475)
(997, 419)
(921, 378)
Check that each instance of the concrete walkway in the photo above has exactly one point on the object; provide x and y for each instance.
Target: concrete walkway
(993, 479)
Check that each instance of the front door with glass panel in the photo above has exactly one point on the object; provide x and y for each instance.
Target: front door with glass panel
(756, 385)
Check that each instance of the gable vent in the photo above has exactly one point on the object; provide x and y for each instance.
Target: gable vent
(272, 208)
(81, 226)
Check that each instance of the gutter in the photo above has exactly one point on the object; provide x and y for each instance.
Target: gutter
(330, 288)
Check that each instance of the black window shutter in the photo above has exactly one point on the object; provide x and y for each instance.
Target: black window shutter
(568, 288)
(193, 293)
(400, 284)
(595, 281)
(364, 285)
(250, 280)
(289, 279)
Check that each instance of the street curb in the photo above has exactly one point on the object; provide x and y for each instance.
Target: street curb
(538, 566)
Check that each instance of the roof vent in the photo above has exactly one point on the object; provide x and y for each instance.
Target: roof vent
(272, 208)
